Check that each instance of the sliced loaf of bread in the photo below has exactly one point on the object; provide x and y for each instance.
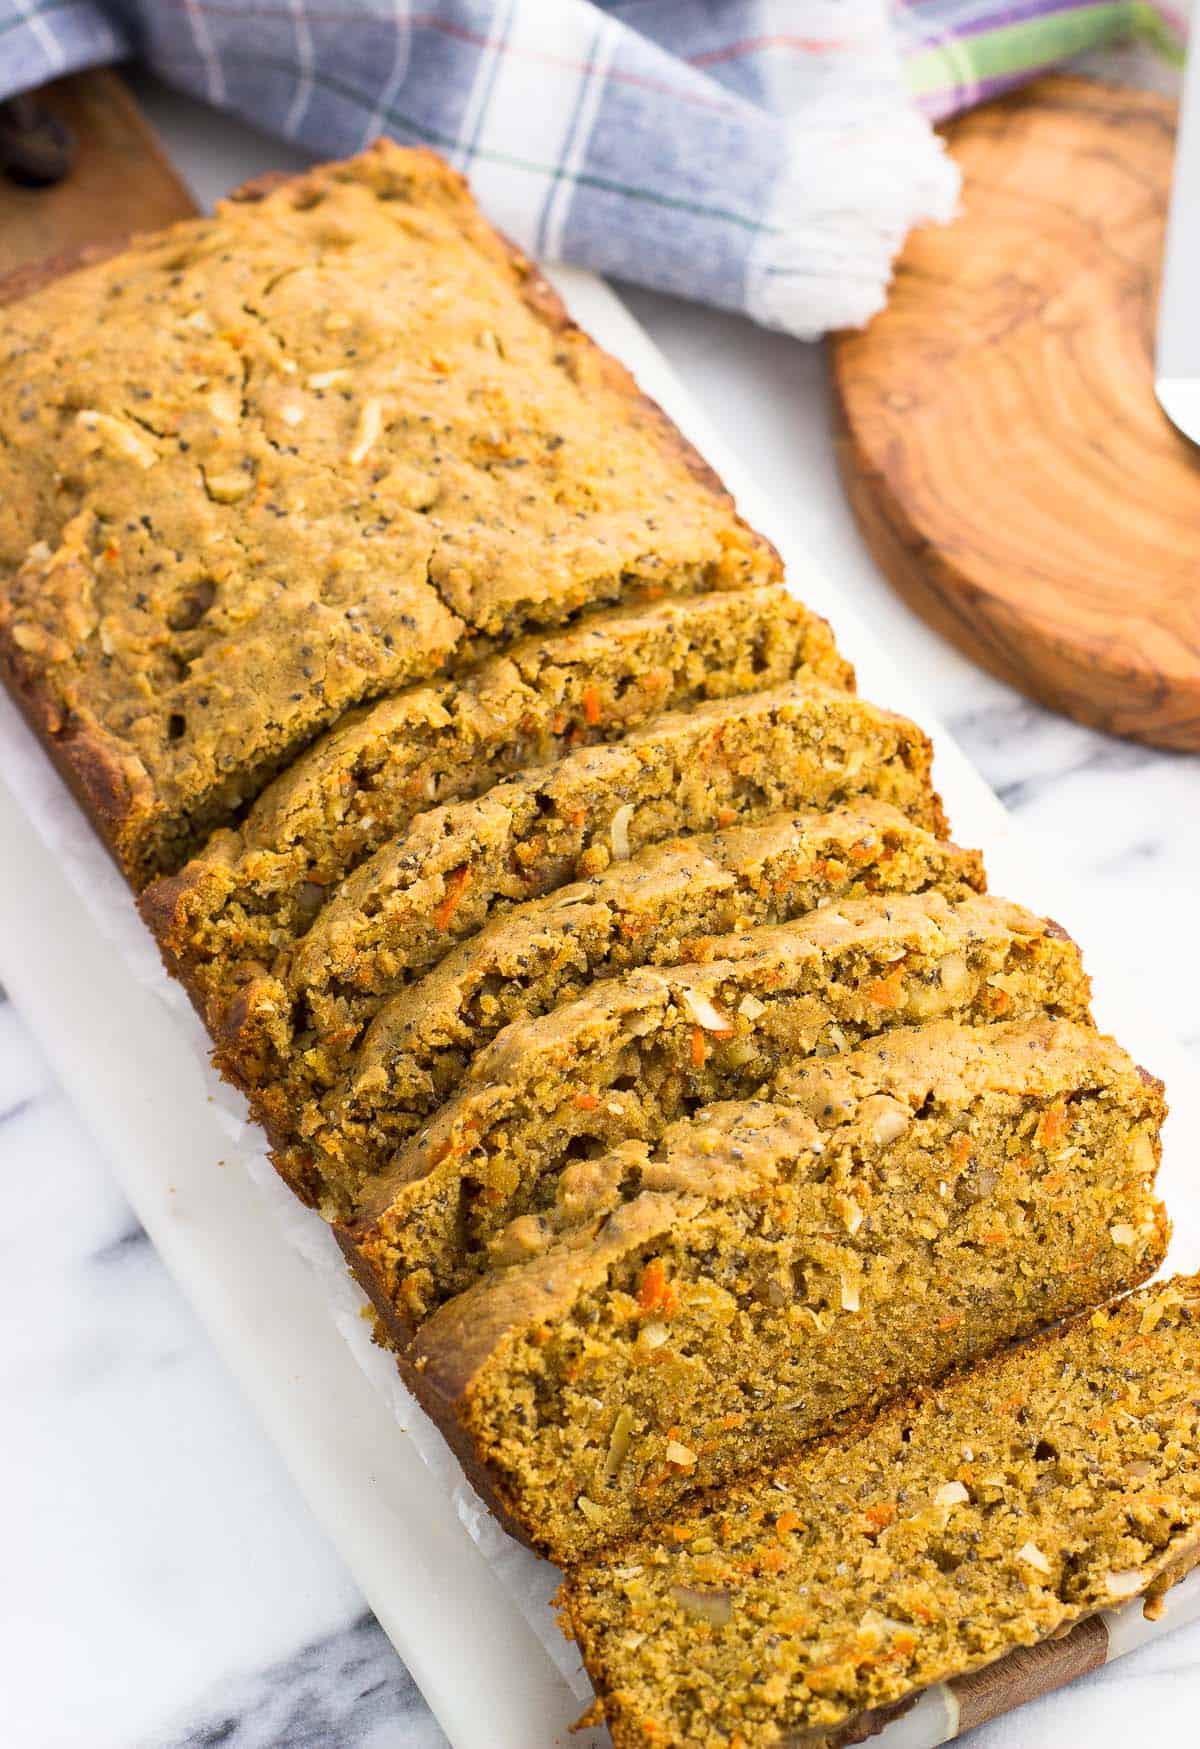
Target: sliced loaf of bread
(294, 1026)
(659, 908)
(254, 890)
(1057, 1480)
(689, 1311)
(635, 1053)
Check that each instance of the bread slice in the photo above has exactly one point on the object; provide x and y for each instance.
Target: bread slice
(260, 467)
(255, 889)
(636, 1052)
(725, 762)
(1058, 1480)
(688, 1311)
(655, 909)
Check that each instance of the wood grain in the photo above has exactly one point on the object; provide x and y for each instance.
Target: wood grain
(1029, 1672)
(998, 434)
(122, 181)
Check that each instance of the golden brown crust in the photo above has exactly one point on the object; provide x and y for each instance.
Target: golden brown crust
(117, 799)
(152, 809)
(83, 761)
(546, 303)
(35, 276)
(548, 306)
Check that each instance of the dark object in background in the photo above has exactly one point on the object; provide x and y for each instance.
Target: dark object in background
(35, 148)
(118, 174)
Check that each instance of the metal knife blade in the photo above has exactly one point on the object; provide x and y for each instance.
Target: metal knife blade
(1177, 356)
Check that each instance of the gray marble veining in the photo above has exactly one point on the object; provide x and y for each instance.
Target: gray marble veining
(348, 1688)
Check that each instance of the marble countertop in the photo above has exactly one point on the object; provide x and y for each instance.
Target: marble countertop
(166, 1584)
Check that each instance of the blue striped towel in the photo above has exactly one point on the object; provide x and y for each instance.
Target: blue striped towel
(764, 155)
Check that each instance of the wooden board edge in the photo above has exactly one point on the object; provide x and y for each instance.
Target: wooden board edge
(1138, 705)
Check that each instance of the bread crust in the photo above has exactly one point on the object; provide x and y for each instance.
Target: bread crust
(542, 299)
(116, 789)
(85, 762)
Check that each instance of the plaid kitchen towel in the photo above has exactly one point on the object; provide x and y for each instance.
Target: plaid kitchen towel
(765, 155)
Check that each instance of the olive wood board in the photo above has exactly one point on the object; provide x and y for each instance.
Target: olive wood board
(86, 977)
(996, 425)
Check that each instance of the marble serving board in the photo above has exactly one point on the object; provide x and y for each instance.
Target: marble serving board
(468, 1612)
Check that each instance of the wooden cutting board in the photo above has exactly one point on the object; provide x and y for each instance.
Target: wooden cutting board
(998, 434)
(121, 181)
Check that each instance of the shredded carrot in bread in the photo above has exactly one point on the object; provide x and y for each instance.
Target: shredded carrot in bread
(1053, 1126)
(888, 992)
(655, 1292)
(456, 886)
